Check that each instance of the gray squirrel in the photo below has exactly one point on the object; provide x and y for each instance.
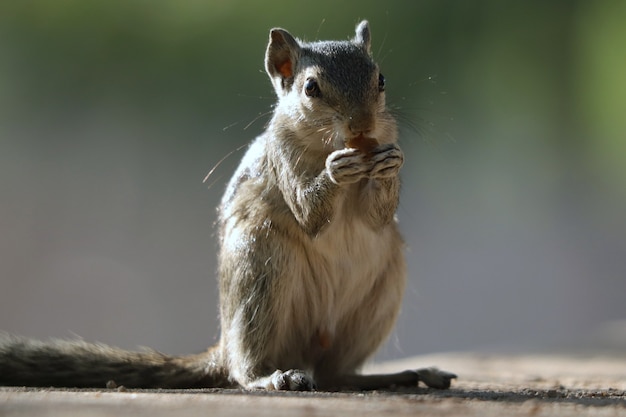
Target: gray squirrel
(311, 261)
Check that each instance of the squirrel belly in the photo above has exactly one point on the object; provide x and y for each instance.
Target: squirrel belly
(311, 261)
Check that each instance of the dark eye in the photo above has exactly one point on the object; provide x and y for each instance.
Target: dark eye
(311, 88)
(381, 82)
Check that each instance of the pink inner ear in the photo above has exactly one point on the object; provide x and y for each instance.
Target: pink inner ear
(285, 69)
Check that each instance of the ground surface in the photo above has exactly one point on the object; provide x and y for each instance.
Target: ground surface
(488, 385)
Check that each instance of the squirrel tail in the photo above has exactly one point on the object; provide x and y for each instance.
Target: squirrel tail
(75, 363)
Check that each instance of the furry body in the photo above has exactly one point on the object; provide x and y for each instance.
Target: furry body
(312, 268)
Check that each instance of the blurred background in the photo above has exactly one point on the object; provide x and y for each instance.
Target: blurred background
(513, 120)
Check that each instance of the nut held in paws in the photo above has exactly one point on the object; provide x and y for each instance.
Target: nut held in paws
(362, 143)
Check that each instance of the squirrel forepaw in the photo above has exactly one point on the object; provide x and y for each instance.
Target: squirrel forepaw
(387, 160)
(346, 166)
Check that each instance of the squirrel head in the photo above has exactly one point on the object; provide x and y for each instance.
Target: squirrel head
(329, 89)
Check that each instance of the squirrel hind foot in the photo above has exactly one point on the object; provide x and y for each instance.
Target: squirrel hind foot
(435, 378)
(291, 380)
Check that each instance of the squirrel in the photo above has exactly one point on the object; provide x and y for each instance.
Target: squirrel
(311, 261)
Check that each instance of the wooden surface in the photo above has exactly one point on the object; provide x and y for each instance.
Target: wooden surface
(488, 385)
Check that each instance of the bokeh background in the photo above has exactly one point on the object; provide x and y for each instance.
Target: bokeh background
(513, 118)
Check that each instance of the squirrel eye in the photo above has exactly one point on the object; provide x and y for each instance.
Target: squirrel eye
(311, 88)
(381, 82)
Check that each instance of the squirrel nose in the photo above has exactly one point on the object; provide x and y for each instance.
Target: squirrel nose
(361, 124)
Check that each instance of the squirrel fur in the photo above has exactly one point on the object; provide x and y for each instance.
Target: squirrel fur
(311, 261)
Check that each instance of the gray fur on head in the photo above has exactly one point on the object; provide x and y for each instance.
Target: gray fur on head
(284, 51)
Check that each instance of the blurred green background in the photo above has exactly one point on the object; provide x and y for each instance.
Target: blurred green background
(513, 118)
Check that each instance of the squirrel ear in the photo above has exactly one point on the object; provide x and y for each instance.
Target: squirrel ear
(281, 57)
(363, 36)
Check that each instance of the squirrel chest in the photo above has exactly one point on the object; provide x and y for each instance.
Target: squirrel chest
(348, 256)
